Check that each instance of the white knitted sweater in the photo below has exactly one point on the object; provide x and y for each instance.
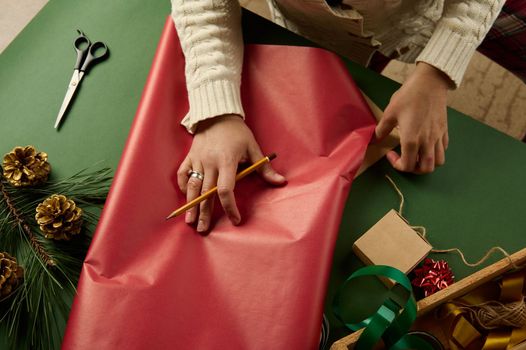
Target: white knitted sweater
(443, 33)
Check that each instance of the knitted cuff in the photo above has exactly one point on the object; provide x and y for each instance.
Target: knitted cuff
(448, 51)
(212, 99)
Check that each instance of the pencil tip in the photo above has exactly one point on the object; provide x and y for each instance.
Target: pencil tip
(272, 156)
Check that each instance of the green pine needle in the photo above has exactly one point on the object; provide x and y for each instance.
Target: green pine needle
(34, 316)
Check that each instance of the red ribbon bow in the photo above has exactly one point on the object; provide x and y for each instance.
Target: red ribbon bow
(432, 276)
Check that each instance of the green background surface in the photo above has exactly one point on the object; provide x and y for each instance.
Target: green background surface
(474, 202)
(36, 68)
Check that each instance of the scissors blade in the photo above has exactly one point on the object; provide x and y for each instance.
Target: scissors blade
(72, 87)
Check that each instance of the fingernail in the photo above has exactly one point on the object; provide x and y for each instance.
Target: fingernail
(279, 177)
(201, 226)
(235, 220)
(430, 164)
(391, 156)
(188, 217)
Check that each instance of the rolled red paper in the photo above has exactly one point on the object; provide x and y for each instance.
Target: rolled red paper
(148, 283)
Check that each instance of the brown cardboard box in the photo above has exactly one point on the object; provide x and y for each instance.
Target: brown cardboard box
(391, 241)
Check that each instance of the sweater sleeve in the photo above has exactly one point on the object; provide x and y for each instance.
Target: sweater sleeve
(459, 32)
(211, 39)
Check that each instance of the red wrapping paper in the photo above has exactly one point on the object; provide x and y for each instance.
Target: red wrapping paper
(148, 283)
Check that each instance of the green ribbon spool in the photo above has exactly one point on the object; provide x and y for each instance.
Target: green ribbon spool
(394, 317)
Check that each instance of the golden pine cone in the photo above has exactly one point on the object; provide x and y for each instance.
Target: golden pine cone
(24, 166)
(59, 217)
(11, 274)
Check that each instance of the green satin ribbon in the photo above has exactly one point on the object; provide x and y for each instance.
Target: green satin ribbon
(394, 317)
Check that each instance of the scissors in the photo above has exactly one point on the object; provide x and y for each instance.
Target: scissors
(87, 55)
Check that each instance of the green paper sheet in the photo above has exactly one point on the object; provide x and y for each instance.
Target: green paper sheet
(36, 68)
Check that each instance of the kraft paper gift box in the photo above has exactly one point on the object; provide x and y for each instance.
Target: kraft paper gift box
(392, 242)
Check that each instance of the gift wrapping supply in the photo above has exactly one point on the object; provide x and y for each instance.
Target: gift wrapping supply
(392, 320)
(213, 283)
(464, 331)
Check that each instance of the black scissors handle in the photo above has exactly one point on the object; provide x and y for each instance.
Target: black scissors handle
(87, 53)
(82, 45)
(96, 52)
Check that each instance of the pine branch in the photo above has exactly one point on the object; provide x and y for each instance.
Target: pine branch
(33, 316)
(35, 244)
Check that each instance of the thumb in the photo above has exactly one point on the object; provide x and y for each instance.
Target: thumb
(266, 171)
(384, 127)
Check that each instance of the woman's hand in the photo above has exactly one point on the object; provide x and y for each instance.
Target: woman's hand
(219, 145)
(418, 108)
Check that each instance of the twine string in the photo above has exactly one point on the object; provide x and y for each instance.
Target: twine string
(494, 314)
(421, 230)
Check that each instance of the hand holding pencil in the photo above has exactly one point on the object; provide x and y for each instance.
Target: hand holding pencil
(213, 191)
(219, 145)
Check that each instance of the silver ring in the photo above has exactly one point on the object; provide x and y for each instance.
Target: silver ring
(196, 174)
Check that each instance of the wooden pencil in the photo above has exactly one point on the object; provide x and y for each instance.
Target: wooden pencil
(213, 191)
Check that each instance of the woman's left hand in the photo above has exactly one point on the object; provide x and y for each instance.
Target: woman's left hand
(418, 108)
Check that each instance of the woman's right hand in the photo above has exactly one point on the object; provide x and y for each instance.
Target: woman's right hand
(219, 145)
